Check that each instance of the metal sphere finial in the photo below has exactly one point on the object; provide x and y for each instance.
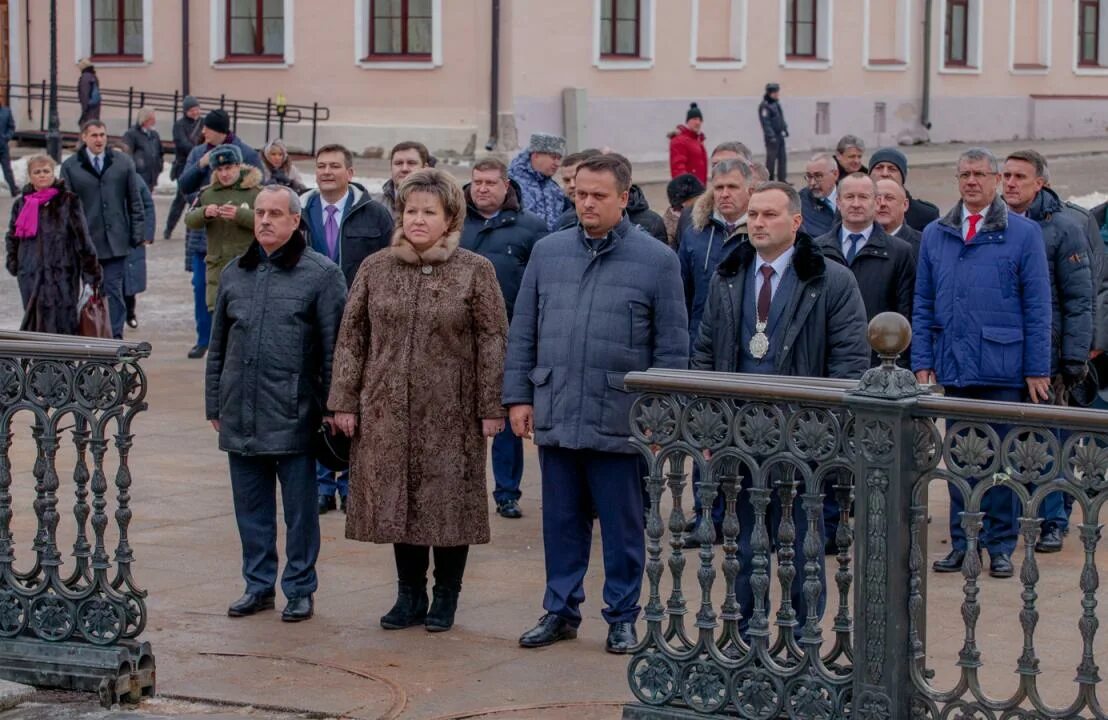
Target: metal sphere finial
(890, 334)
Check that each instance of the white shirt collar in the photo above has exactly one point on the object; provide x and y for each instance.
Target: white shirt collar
(844, 233)
(780, 265)
(833, 198)
(894, 232)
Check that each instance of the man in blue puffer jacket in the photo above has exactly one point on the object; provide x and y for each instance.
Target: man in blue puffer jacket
(597, 301)
(981, 326)
(536, 170)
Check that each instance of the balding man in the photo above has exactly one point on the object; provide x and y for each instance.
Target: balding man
(892, 205)
(817, 201)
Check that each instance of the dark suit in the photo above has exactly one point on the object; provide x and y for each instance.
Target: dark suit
(912, 236)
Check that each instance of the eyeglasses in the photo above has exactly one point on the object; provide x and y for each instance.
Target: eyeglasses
(976, 175)
(816, 177)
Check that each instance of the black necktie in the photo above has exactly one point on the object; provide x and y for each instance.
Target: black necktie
(852, 248)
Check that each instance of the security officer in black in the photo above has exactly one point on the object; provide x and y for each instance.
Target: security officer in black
(774, 130)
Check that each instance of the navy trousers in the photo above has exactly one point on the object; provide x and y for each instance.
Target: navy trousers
(253, 482)
(1000, 505)
(200, 310)
(573, 483)
(115, 269)
(330, 482)
(743, 591)
(507, 465)
(6, 167)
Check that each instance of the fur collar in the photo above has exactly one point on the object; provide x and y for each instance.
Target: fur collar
(996, 217)
(808, 260)
(249, 177)
(703, 212)
(286, 257)
(437, 254)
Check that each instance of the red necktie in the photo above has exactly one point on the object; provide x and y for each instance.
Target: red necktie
(972, 232)
(765, 294)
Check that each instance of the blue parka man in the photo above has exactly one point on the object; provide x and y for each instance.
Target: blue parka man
(597, 301)
(981, 325)
(815, 326)
(498, 229)
(274, 329)
(1072, 298)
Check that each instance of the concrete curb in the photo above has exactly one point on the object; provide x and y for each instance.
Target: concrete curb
(13, 694)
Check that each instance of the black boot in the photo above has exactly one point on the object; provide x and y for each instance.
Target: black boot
(410, 608)
(440, 617)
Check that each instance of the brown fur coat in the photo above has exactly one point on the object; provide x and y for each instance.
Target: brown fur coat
(420, 360)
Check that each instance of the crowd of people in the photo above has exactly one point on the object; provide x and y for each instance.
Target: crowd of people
(424, 320)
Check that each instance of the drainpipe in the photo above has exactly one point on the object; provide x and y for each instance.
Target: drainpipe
(925, 105)
(494, 89)
(184, 48)
(27, 49)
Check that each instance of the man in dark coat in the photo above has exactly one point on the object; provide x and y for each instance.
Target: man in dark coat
(981, 328)
(1072, 297)
(346, 225)
(818, 200)
(774, 132)
(145, 147)
(892, 203)
(597, 301)
(777, 306)
(215, 131)
(264, 396)
(88, 92)
(186, 136)
(498, 229)
(7, 132)
(638, 209)
(848, 155)
(108, 186)
(891, 163)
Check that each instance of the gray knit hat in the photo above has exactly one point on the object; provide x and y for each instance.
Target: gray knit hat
(190, 102)
(890, 155)
(546, 143)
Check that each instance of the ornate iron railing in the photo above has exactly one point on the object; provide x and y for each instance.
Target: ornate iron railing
(775, 445)
(71, 624)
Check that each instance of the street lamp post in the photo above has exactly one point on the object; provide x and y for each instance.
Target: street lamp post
(53, 136)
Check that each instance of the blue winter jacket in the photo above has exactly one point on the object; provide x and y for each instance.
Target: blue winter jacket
(982, 315)
(583, 319)
(541, 195)
(704, 243)
(194, 177)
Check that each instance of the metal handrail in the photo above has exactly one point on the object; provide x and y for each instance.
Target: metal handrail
(69, 347)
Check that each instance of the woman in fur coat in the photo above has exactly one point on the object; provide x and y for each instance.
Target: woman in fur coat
(416, 382)
(49, 250)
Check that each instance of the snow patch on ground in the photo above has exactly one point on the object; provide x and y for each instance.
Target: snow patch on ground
(1089, 201)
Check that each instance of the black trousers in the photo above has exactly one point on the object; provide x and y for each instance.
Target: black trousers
(412, 562)
(776, 158)
(175, 212)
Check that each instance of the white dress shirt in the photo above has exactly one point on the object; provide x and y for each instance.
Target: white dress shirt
(780, 265)
(845, 243)
(966, 212)
(323, 205)
(92, 158)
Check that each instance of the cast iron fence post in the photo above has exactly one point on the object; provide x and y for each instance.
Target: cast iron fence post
(885, 471)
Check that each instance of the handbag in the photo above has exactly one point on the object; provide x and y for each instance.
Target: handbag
(331, 450)
(93, 319)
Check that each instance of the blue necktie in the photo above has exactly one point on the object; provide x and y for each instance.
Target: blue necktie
(98, 164)
(852, 248)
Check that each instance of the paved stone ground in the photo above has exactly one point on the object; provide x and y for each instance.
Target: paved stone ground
(341, 664)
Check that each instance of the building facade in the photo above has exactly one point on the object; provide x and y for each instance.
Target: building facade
(605, 72)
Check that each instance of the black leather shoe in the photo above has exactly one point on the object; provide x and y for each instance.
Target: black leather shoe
(342, 504)
(409, 609)
(509, 509)
(198, 351)
(298, 609)
(1050, 541)
(249, 604)
(326, 504)
(1000, 565)
(952, 563)
(621, 638)
(551, 629)
(440, 617)
(132, 322)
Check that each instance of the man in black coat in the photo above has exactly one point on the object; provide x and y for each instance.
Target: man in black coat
(892, 203)
(108, 186)
(818, 200)
(777, 306)
(7, 131)
(186, 136)
(88, 92)
(638, 211)
(497, 228)
(265, 397)
(144, 144)
(774, 132)
(891, 163)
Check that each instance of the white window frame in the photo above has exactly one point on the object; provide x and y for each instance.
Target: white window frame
(825, 32)
(647, 26)
(736, 33)
(1045, 21)
(903, 37)
(975, 40)
(82, 19)
(218, 40)
(1102, 51)
(361, 41)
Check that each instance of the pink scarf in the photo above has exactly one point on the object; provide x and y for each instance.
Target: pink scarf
(26, 225)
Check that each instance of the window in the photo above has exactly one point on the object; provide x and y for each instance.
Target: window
(400, 29)
(620, 29)
(887, 35)
(801, 28)
(255, 29)
(718, 39)
(1030, 28)
(957, 33)
(117, 29)
(1088, 33)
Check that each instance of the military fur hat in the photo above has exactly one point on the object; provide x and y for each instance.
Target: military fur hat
(225, 155)
(546, 143)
